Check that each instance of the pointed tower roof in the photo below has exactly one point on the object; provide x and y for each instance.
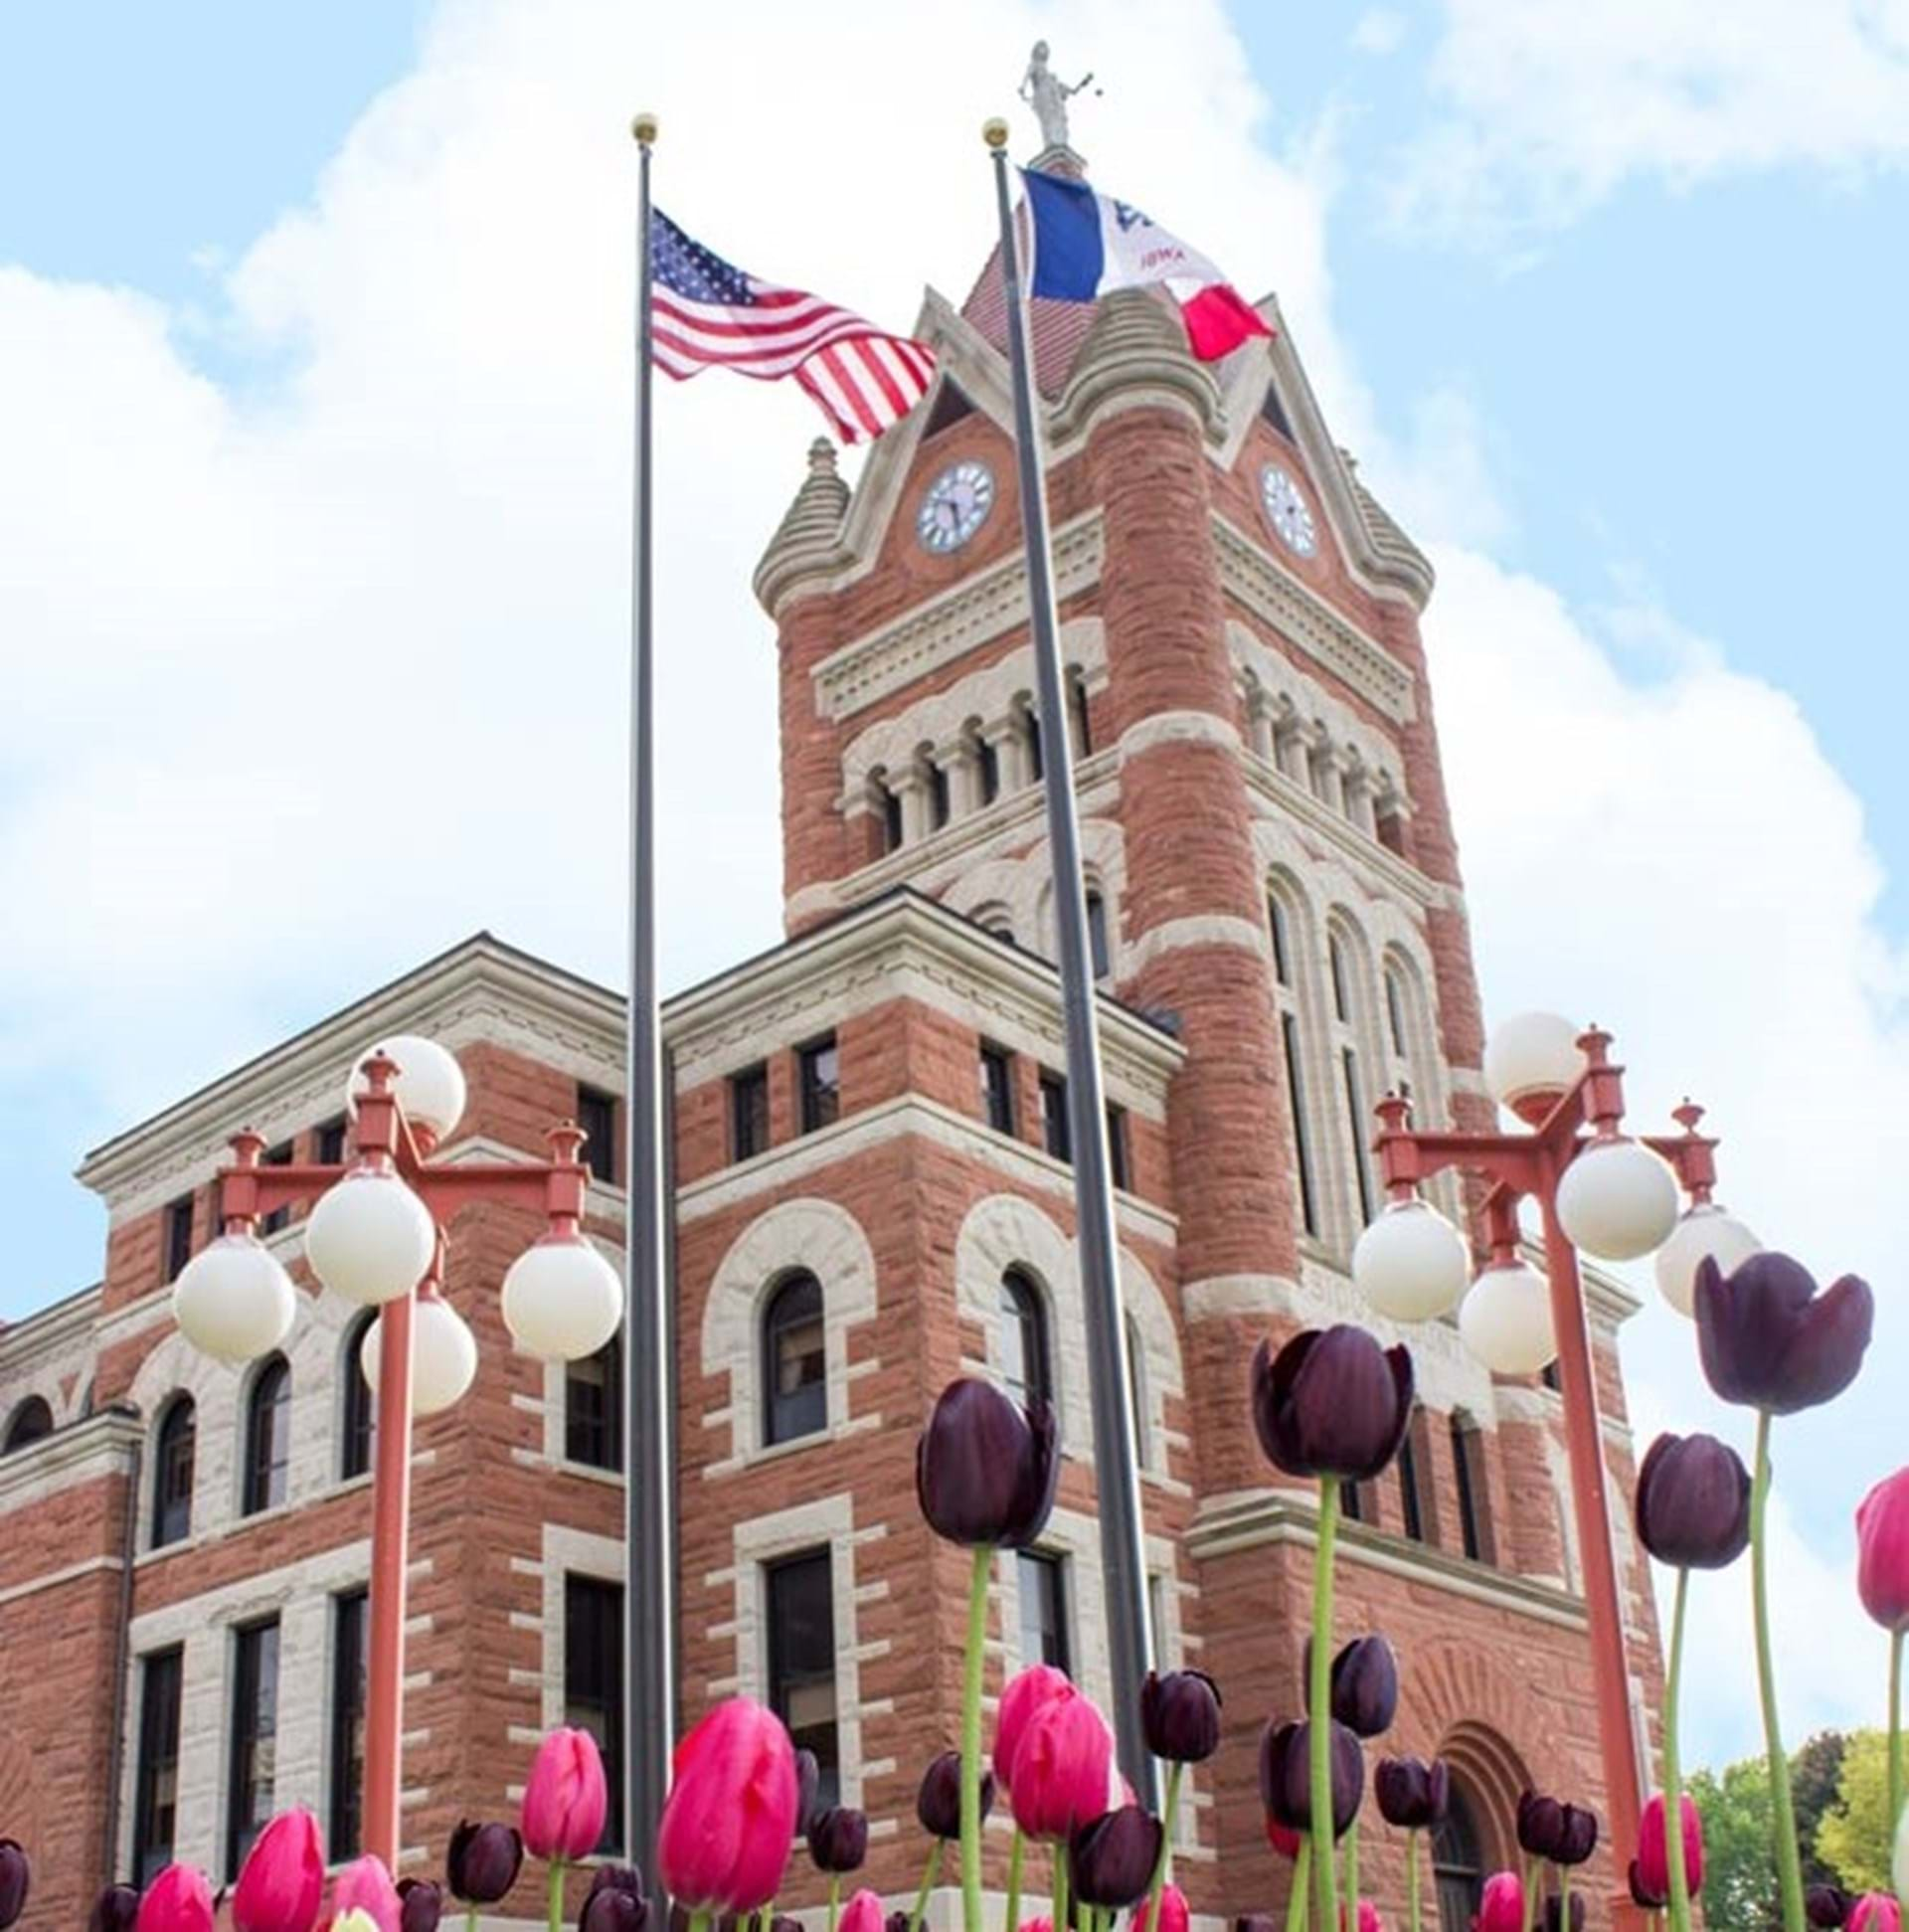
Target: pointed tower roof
(810, 534)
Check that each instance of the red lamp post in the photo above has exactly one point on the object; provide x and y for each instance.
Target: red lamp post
(236, 1272)
(1565, 1125)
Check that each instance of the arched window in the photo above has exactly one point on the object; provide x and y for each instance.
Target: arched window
(1285, 1002)
(1097, 940)
(1474, 1499)
(1025, 1366)
(794, 1363)
(172, 1456)
(988, 763)
(1457, 1866)
(1136, 1390)
(359, 1442)
(1031, 736)
(1411, 1496)
(32, 1420)
(594, 1408)
(889, 806)
(268, 1438)
(1347, 964)
(1082, 723)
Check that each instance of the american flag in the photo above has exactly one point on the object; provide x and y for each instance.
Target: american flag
(706, 314)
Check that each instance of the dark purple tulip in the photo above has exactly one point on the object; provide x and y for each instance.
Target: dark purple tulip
(117, 1909)
(1827, 1905)
(421, 1904)
(1693, 1502)
(1769, 1341)
(1256, 1922)
(898, 1921)
(482, 1862)
(808, 1781)
(985, 1471)
(615, 1903)
(1577, 1834)
(1112, 1857)
(16, 1880)
(1641, 1895)
(839, 1839)
(1331, 1402)
(937, 1805)
(1285, 1777)
(1365, 1685)
(1413, 1796)
(1540, 1825)
(1180, 1714)
(1554, 1913)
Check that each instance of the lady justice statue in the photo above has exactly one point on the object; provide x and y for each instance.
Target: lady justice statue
(1048, 95)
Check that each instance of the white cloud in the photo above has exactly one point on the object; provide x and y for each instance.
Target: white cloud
(1381, 30)
(1543, 106)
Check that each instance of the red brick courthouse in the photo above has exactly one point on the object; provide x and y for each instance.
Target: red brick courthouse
(872, 1195)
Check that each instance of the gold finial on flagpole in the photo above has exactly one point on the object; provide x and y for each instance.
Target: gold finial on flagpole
(994, 131)
(644, 129)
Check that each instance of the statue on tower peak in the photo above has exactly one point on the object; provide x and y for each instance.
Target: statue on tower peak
(1048, 94)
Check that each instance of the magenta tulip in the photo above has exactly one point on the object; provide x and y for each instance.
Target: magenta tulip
(1882, 1552)
(731, 1811)
(1369, 1919)
(282, 1878)
(365, 1886)
(1875, 1913)
(178, 1900)
(566, 1798)
(1038, 1686)
(1654, 1860)
(862, 1913)
(1502, 1908)
(1175, 1916)
(1064, 1771)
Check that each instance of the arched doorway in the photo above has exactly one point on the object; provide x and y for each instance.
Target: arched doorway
(1457, 1862)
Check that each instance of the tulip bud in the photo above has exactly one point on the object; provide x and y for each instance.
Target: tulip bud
(1180, 1714)
(178, 1900)
(839, 1839)
(565, 1797)
(1023, 1699)
(898, 1921)
(282, 1878)
(1064, 1771)
(16, 1880)
(1882, 1552)
(731, 1812)
(1653, 1858)
(1875, 1913)
(1175, 1916)
(1112, 1857)
(1693, 1502)
(365, 1886)
(614, 1902)
(1332, 1402)
(421, 1904)
(1369, 1919)
(117, 1909)
(1577, 1834)
(1769, 1341)
(483, 1861)
(862, 1913)
(1541, 1822)
(938, 1803)
(984, 1470)
(1641, 1895)
(1501, 1906)
(1285, 1776)
(1413, 1796)
(1554, 1913)
(1365, 1685)
(1827, 1905)
(808, 1784)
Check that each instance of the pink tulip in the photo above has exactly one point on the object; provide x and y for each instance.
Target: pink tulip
(1653, 1857)
(1036, 1686)
(1175, 1916)
(564, 1798)
(731, 1812)
(1369, 1919)
(1875, 1913)
(1502, 1907)
(178, 1900)
(862, 1913)
(1064, 1771)
(1037, 1925)
(283, 1876)
(365, 1886)
(1882, 1551)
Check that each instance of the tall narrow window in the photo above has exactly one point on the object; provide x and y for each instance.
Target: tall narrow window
(594, 1682)
(1083, 723)
(328, 1142)
(358, 1443)
(1024, 1357)
(279, 1217)
(1411, 1497)
(1054, 1129)
(1395, 1014)
(1358, 1126)
(178, 1236)
(268, 1438)
(594, 1408)
(1335, 962)
(1136, 1391)
(597, 1115)
(938, 798)
(794, 1360)
(1457, 1868)
(1097, 941)
(997, 1087)
(349, 1623)
(818, 1082)
(1116, 1145)
(748, 1112)
(1031, 736)
(801, 1660)
(987, 758)
(1281, 942)
(1475, 1517)
(253, 1765)
(1043, 1593)
(888, 803)
(155, 1803)
(173, 1455)
(1351, 1502)
(1302, 1140)
(30, 1423)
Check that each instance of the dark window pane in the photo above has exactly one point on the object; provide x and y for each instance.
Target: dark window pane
(1550, 1378)
(173, 1453)
(253, 1781)
(1394, 1013)
(1351, 1503)
(328, 1142)
(360, 1442)
(997, 1088)
(1281, 942)
(1356, 1121)
(1135, 1397)
(794, 1360)
(267, 1436)
(1024, 1356)
(1083, 724)
(988, 756)
(818, 1078)
(1116, 1145)
(1276, 416)
(594, 1408)
(1409, 1502)
(1043, 1592)
(1031, 730)
(594, 1682)
(1054, 1133)
(1341, 1004)
(178, 1236)
(1458, 1868)
(938, 794)
(1475, 1528)
(1302, 1140)
(748, 1112)
(890, 819)
(597, 1115)
(30, 1423)
(801, 1660)
(350, 1629)
(155, 1810)
(1097, 949)
(278, 1156)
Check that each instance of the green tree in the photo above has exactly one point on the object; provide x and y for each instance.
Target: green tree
(1739, 1874)
(1852, 1839)
(1815, 1773)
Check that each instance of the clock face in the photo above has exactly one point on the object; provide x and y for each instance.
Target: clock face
(1286, 511)
(955, 506)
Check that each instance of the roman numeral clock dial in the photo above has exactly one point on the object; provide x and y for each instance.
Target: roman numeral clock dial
(955, 506)
(1286, 511)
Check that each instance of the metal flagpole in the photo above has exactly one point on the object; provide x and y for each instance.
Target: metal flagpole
(1115, 1464)
(649, 1382)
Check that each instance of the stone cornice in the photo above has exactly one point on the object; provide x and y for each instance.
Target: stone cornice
(49, 1330)
(100, 1445)
(1364, 854)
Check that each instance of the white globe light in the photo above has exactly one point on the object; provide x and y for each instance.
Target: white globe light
(233, 1301)
(1618, 1200)
(428, 1083)
(562, 1299)
(1505, 1321)
(370, 1238)
(443, 1356)
(1705, 1233)
(1411, 1263)
(1533, 1054)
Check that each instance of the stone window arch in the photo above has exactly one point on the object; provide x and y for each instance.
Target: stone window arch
(264, 1479)
(31, 1421)
(175, 1447)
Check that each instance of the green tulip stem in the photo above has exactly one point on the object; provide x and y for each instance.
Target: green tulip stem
(1060, 1888)
(1164, 1867)
(1783, 1808)
(699, 1922)
(1895, 1739)
(1532, 1872)
(972, 1740)
(1412, 1882)
(1352, 1877)
(1672, 1768)
(929, 1874)
(1564, 1898)
(834, 1899)
(1320, 1729)
(1301, 1881)
(470, 1920)
(1013, 1884)
(557, 1896)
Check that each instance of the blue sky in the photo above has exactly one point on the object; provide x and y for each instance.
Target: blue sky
(313, 364)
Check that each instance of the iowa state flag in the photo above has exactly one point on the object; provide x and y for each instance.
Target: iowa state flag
(1087, 245)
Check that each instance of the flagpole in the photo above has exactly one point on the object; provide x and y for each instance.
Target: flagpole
(1116, 1462)
(649, 1383)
